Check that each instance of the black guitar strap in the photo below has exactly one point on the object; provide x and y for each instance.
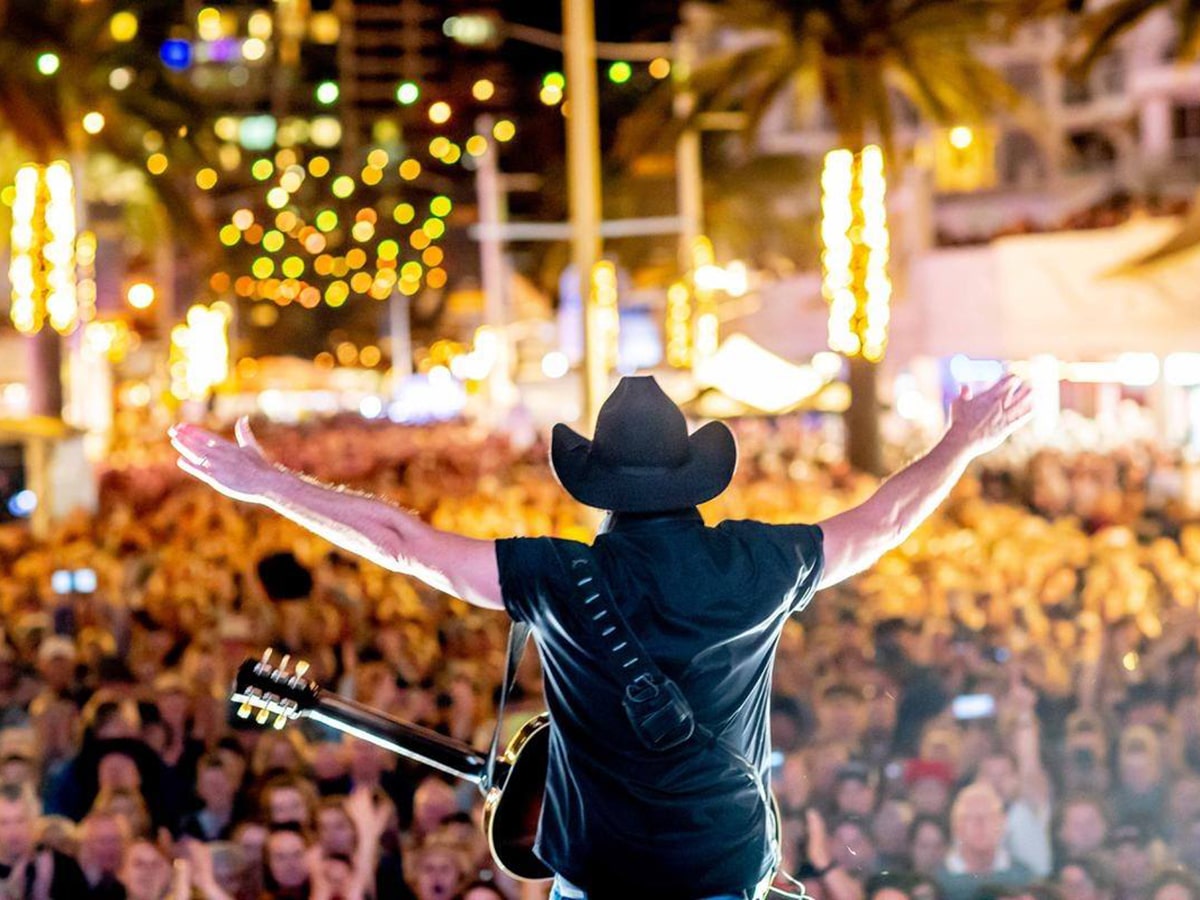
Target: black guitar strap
(518, 637)
(660, 715)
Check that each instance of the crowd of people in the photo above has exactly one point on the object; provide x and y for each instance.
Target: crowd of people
(1008, 705)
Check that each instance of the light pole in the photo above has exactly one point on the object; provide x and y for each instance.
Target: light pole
(583, 179)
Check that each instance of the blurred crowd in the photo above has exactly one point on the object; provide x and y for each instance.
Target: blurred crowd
(1007, 705)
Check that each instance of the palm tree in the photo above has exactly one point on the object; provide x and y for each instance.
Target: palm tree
(42, 106)
(859, 61)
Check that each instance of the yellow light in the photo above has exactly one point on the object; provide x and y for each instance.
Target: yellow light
(550, 95)
(604, 308)
(325, 27)
(291, 180)
(377, 158)
(260, 25)
(318, 167)
(123, 27)
(156, 164)
(854, 234)
(411, 271)
(504, 131)
(660, 68)
(388, 250)
(286, 221)
(323, 264)
(419, 240)
(433, 256)
(200, 352)
(356, 258)
(347, 353)
(360, 282)
(440, 205)
(208, 24)
(263, 267)
(483, 90)
(436, 279)
(343, 186)
(337, 293)
(453, 154)
(371, 177)
(410, 169)
(370, 356)
(230, 156)
(327, 220)
(679, 329)
(438, 147)
(226, 128)
(140, 295)
(262, 169)
(439, 113)
(362, 231)
(293, 267)
(477, 145)
(206, 179)
(403, 213)
(229, 235)
(8, 195)
(961, 137)
(42, 265)
(272, 241)
(435, 228)
(93, 123)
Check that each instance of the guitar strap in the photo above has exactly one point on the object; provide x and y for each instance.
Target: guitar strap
(518, 637)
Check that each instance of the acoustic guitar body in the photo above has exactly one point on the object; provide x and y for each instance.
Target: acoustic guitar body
(514, 803)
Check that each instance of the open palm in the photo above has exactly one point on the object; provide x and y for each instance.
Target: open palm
(238, 470)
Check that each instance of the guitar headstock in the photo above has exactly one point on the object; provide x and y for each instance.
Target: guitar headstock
(279, 690)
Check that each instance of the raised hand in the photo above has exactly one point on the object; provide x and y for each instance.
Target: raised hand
(240, 470)
(981, 422)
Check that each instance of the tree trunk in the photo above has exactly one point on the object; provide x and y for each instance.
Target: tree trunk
(44, 358)
(864, 450)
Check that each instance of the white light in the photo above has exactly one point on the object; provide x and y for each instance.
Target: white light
(22, 503)
(371, 407)
(555, 364)
(965, 370)
(710, 278)
(1137, 369)
(827, 364)
(1182, 369)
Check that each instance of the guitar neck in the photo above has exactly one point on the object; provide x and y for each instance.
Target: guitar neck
(413, 741)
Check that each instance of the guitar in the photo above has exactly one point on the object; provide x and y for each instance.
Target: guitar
(512, 799)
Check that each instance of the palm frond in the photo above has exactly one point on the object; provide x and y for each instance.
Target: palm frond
(1099, 30)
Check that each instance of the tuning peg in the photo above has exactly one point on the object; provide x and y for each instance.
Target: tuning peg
(263, 715)
(245, 709)
(266, 657)
(302, 668)
(280, 721)
(283, 663)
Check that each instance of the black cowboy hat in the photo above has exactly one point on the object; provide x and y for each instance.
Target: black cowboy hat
(642, 458)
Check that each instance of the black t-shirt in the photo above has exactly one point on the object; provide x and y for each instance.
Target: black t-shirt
(708, 604)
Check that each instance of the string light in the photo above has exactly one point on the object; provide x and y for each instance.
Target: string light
(42, 262)
(856, 250)
(679, 328)
(483, 90)
(604, 306)
(199, 359)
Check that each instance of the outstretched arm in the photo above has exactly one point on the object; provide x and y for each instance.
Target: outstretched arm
(855, 539)
(364, 525)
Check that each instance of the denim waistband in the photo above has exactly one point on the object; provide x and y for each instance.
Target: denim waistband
(568, 891)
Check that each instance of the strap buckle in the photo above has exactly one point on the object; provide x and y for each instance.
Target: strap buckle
(660, 715)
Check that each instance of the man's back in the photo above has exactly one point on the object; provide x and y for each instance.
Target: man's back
(708, 605)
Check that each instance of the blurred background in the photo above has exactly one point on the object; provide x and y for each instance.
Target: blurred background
(405, 237)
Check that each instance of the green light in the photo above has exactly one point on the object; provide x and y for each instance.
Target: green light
(554, 80)
(620, 72)
(48, 63)
(343, 186)
(262, 169)
(440, 205)
(273, 241)
(328, 92)
(408, 93)
(327, 220)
